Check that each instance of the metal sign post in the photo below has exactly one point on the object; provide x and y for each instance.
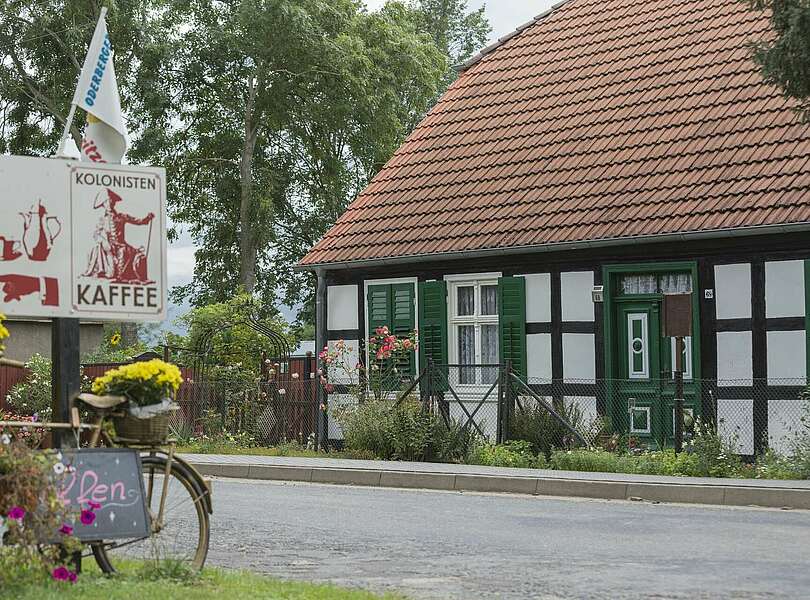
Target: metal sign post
(677, 311)
(679, 347)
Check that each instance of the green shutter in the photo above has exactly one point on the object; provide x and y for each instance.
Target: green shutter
(402, 323)
(433, 327)
(512, 321)
(393, 306)
(379, 307)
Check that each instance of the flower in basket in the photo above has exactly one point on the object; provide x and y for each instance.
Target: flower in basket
(152, 383)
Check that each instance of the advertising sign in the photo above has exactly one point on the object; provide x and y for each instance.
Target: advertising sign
(112, 479)
(82, 240)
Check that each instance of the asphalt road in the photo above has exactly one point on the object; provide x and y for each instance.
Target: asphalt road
(452, 545)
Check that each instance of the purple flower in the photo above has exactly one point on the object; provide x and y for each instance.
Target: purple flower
(60, 574)
(16, 513)
(94, 505)
(35, 417)
(87, 517)
(66, 529)
(72, 577)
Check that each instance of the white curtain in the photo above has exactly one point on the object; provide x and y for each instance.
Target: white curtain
(676, 283)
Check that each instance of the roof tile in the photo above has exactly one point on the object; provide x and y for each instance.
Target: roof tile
(603, 119)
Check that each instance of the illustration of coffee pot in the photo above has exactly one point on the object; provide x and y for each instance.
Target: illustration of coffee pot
(39, 232)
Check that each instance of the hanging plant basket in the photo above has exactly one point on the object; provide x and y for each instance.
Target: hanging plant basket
(152, 430)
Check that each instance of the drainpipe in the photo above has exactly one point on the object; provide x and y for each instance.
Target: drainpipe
(322, 431)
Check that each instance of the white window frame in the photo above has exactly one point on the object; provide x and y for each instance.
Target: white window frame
(645, 409)
(687, 366)
(454, 282)
(645, 347)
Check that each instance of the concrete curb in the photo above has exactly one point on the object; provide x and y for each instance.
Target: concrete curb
(718, 494)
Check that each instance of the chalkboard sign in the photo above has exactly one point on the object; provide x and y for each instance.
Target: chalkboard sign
(108, 482)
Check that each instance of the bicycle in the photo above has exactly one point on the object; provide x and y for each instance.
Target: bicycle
(179, 512)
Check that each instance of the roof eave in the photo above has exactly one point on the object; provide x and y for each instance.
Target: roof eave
(560, 246)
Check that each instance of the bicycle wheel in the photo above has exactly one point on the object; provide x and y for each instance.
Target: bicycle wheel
(180, 539)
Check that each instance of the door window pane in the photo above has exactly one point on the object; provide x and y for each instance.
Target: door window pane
(466, 353)
(466, 301)
(638, 356)
(639, 284)
(489, 299)
(676, 283)
(489, 352)
(687, 357)
(640, 419)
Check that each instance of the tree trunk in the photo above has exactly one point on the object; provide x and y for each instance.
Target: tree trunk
(129, 335)
(248, 250)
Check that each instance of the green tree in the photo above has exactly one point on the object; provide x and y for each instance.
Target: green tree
(230, 333)
(43, 44)
(457, 32)
(269, 115)
(785, 57)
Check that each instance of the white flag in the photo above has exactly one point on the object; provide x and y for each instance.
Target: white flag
(97, 93)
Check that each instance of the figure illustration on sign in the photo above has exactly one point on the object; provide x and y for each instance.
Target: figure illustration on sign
(113, 257)
(39, 232)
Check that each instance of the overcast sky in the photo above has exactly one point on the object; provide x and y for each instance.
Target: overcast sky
(504, 17)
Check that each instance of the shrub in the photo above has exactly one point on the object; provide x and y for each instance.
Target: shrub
(515, 453)
(585, 460)
(716, 456)
(33, 395)
(533, 423)
(404, 432)
(772, 465)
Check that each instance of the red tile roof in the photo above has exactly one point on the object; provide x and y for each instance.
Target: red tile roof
(603, 120)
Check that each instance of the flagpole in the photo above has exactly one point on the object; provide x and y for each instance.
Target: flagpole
(66, 133)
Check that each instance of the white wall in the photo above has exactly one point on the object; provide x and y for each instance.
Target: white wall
(787, 352)
(586, 404)
(577, 302)
(342, 307)
(579, 357)
(337, 401)
(538, 298)
(735, 422)
(784, 288)
(538, 356)
(732, 291)
(734, 362)
(344, 372)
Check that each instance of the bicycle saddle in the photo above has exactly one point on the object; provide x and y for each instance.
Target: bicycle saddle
(101, 402)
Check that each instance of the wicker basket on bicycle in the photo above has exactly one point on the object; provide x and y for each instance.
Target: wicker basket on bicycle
(150, 387)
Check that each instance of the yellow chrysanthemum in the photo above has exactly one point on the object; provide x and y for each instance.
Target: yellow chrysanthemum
(154, 378)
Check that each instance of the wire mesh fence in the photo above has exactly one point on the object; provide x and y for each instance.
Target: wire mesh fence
(752, 414)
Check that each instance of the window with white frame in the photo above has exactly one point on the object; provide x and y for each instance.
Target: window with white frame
(474, 329)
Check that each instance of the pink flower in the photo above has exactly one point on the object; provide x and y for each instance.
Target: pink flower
(72, 577)
(60, 574)
(17, 513)
(407, 344)
(329, 388)
(94, 505)
(66, 529)
(87, 517)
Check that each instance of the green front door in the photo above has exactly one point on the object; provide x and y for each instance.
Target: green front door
(644, 389)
